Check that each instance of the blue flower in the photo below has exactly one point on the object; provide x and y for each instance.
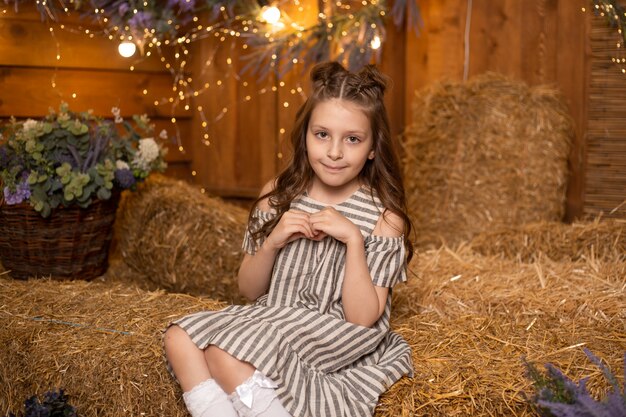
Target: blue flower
(21, 193)
(125, 178)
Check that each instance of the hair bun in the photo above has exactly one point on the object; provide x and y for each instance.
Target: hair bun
(371, 78)
(322, 74)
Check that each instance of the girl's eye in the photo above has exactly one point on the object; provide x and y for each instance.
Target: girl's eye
(353, 139)
(321, 135)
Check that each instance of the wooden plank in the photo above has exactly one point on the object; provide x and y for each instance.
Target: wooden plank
(180, 170)
(179, 134)
(393, 65)
(28, 92)
(538, 35)
(572, 79)
(213, 156)
(416, 62)
(495, 41)
(75, 49)
(445, 37)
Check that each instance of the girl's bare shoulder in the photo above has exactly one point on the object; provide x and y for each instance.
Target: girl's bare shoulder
(389, 224)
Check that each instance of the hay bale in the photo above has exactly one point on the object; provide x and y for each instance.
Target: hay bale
(484, 153)
(470, 319)
(101, 343)
(181, 240)
(599, 239)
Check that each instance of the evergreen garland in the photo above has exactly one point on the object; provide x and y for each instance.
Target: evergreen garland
(351, 31)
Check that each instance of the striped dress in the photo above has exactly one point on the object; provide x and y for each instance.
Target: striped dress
(296, 334)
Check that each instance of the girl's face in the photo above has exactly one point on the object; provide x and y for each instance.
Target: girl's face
(339, 142)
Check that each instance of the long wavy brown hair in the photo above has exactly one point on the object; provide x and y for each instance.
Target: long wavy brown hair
(366, 89)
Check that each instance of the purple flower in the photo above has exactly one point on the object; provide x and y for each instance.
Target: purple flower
(140, 21)
(123, 8)
(125, 178)
(21, 193)
(183, 5)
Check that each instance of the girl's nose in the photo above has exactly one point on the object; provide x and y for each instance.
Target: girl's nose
(334, 150)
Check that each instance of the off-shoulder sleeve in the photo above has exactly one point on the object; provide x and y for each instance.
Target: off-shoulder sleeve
(386, 259)
(259, 218)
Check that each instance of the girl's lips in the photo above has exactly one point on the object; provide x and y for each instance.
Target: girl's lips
(332, 168)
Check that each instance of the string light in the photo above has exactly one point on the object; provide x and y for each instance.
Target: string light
(271, 14)
(376, 42)
(616, 18)
(266, 31)
(127, 49)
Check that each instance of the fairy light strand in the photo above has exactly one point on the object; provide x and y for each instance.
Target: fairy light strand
(349, 31)
(615, 15)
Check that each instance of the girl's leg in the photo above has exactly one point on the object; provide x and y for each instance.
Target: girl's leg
(202, 395)
(256, 397)
(227, 370)
(253, 393)
(185, 358)
(199, 373)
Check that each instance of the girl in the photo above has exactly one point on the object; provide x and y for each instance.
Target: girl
(326, 241)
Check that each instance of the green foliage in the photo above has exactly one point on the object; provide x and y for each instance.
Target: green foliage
(75, 158)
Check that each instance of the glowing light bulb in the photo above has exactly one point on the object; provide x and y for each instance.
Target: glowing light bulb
(375, 44)
(127, 49)
(271, 15)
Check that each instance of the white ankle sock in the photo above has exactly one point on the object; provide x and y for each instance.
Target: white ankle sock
(207, 399)
(256, 397)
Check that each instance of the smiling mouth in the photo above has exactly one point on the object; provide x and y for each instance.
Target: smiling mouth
(332, 168)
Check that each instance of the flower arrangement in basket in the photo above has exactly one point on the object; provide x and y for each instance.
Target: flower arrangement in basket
(75, 158)
(61, 178)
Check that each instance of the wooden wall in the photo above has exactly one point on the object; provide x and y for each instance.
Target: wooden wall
(245, 141)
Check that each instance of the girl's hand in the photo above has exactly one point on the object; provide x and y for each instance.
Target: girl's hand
(294, 224)
(332, 223)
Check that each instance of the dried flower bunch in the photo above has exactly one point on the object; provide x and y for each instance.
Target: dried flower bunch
(54, 403)
(75, 158)
(558, 396)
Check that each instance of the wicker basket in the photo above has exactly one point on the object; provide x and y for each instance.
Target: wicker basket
(72, 243)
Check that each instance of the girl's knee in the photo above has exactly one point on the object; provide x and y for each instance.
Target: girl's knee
(174, 337)
(214, 354)
(227, 370)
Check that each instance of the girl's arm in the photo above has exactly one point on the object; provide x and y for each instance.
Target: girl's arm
(256, 270)
(363, 302)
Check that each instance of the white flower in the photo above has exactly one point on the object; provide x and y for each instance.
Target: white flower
(149, 149)
(116, 112)
(148, 152)
(163, 134)
(30, 124)
(119, 164)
